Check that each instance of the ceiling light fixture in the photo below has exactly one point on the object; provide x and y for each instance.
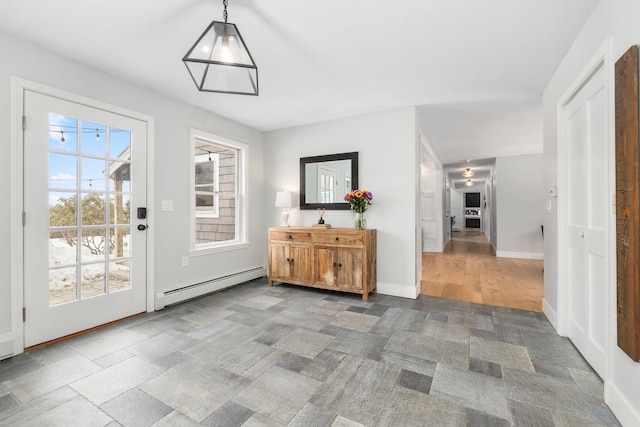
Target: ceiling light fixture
(468, 183)
(468, 173)
(219, 61)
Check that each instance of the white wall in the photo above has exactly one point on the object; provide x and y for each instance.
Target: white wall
(388, 167)
(173, 120)
(520, 206)
(617, 21)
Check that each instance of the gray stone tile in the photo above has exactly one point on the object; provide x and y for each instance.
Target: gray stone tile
(216, 345)
(228, 415)
(262, 302)
(398, 319)
(335, 331)
(176, 419)
(278, 394)
(195, 388)
(471, 389)
(359, 344)
(525, 415)
(323, 365)
(249, 316)
(7, 404)
(312, 416)
(329, 308)
(438, 317)
(302, 318)
(272, 332)
(259, 420)
(17, 366)
(357, 389)
(105, 341)
(356, 309)
(250, 359)
(409, 363)
(207, 315)
(33, 408)
(415, 381)
(589, 383)
(445, 331)
(162, 324)
(160, 345)
(482, 419)
(344, 422)
(545, 391)
(294, 363)
(513, 356)
(377, 310)
(409, 408)
(113, 358)
(172, 359)
(485, 367)
(565, 419)
(355, 321)
(550, 349)
(519, 321)
(76, 412)
(136, 408)
(304, 343)
(471, 320)
(432, 349)
(106, 384)
(43, 381)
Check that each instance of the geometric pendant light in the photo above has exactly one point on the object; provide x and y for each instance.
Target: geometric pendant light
(219, 61)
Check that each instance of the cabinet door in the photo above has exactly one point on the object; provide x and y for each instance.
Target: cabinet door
(300, 262)
(279, 264)
(349, 270)
(325, 267)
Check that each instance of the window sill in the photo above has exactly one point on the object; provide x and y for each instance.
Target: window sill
(208, 250)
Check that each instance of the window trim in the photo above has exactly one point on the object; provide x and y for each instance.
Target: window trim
(242, 196)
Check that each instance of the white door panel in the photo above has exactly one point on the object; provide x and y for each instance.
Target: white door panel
(85, 259)
(586, 122)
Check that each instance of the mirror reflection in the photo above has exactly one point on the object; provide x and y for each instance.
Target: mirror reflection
(324, 180)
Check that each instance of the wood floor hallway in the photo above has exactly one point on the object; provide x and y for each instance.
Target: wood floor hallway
(468, 270)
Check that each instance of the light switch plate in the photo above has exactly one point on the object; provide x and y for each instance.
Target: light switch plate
(167, 206)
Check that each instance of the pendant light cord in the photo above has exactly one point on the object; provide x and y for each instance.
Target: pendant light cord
(224, 14)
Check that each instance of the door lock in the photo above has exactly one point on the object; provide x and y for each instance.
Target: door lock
(142, 227)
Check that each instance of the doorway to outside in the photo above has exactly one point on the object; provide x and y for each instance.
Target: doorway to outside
(84, 203)
(468, 270)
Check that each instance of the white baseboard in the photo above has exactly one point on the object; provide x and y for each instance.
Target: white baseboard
(396, 290)
(164, 299)
(7, 345)
(521, 255)
(551, 314)
(621, 407)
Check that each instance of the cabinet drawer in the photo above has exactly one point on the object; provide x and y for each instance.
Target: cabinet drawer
(291, 236)
(338, 238)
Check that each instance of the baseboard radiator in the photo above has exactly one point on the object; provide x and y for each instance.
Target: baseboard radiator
(174, 296)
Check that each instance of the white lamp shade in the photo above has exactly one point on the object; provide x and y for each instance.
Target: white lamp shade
(284, 199)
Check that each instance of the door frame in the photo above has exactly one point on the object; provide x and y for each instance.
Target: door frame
(18, 86)
(602, 60)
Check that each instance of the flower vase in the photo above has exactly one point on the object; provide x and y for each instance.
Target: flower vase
(360, 222)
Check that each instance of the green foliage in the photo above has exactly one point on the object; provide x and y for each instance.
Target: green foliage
(65, 214)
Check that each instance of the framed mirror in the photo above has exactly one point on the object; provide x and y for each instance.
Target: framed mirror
(324, 180)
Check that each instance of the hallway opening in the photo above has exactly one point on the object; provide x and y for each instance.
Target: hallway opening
(468, 270)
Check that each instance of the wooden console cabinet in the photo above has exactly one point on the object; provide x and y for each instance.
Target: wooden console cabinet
(339, 259)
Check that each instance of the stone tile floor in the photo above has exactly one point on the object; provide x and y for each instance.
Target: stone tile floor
(259, 356)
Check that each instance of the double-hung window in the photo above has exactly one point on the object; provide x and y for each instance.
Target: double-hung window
(218, 192)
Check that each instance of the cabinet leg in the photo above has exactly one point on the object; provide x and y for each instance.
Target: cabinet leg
(365, 296)
(270, 282)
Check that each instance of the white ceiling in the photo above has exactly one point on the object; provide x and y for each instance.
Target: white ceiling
(475, 68)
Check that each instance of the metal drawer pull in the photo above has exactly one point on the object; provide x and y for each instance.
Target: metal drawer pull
(337, 239)
(289, 236)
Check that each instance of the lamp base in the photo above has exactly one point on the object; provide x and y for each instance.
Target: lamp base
(285, 218)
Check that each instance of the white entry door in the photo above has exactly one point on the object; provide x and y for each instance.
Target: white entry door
(585, 121)
(84, 180)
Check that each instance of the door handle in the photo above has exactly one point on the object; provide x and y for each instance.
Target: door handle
(581, 234)
(142, 227)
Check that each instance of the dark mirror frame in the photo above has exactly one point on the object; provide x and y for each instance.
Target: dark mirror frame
(329, 158)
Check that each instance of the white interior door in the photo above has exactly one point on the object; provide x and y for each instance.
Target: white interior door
(587, 133)
(84, 255)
